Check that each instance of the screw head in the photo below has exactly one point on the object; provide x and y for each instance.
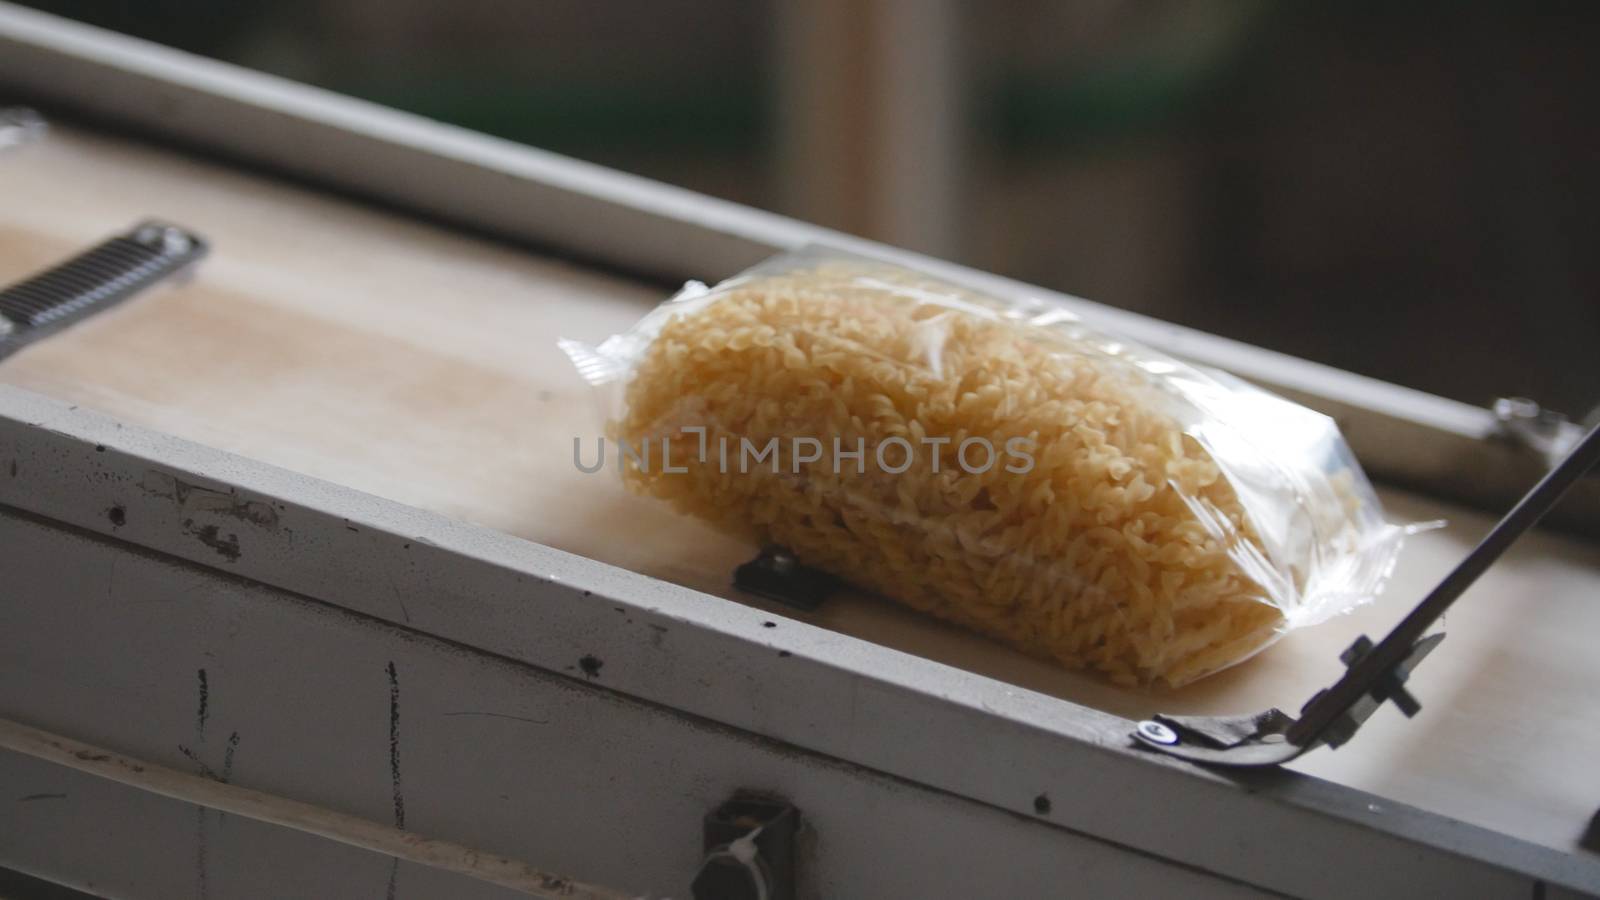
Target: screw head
(1157, 733)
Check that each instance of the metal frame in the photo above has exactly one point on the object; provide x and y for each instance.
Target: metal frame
(793, 691)
(708, 660)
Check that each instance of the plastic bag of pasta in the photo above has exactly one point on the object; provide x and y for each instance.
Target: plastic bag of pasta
(996, 463)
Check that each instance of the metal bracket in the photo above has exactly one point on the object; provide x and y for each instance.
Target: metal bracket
(1389, 687)
(94, 280)
(1544, 432)
(1375, 674)
(1591, 835)
(750, 850)
(777, 575)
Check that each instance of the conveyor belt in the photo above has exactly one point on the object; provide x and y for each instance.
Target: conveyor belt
(420, 365)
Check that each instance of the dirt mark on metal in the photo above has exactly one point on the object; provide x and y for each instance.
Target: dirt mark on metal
(195, 498)
(204, 711)
(394, 747)
(211, 536)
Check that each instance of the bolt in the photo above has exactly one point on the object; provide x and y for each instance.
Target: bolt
(1157, 733)
(783, 562)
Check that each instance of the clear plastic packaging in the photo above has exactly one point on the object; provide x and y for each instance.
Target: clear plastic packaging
(995, 462)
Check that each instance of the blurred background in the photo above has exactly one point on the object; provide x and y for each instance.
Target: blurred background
(1409, 190)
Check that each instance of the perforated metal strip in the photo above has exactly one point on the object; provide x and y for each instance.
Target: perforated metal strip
(94, 280)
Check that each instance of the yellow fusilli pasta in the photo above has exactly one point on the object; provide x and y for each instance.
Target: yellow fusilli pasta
(1095, 556)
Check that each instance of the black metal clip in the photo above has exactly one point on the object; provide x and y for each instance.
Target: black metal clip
(750, 850)
(777, 575)
(1390, 687)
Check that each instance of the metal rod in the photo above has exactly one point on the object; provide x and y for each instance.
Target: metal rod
(1361, 678)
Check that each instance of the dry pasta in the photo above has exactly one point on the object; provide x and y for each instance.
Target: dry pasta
(1014, 472)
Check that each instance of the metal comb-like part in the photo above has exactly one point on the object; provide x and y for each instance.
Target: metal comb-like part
(94, 280)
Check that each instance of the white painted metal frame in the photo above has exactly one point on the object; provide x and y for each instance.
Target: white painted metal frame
(427, 584)
(791, 686)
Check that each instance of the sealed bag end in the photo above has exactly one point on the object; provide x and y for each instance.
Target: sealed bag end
(1349, 580)
(594, 366)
